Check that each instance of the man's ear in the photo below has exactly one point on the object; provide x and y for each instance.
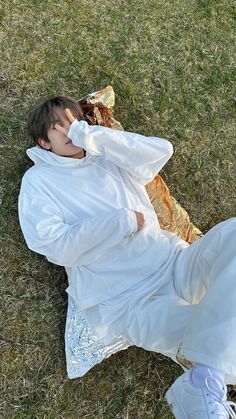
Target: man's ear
(44, 144)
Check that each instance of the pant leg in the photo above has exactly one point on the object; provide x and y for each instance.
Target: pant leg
(157, 321)
(205, 275)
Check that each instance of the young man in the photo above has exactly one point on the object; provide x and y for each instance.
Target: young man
(84, 206)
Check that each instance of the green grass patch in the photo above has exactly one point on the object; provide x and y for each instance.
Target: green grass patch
(171, 65)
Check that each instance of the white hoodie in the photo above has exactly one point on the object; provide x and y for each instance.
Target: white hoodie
(79, 213)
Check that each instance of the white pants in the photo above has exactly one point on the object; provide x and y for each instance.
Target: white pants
(196, 311)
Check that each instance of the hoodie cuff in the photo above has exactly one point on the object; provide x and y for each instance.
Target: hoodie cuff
(76, 133)
(132, 219)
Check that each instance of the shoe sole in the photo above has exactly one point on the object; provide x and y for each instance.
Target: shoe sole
(174, 405)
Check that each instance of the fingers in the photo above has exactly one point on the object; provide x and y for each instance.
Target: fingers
(71, 119)
(59, 128)
(140, 219)
(69, 115)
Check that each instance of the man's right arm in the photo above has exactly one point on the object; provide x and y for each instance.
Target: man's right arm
(142, 157)
(81, 243)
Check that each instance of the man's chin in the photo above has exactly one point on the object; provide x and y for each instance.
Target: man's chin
(78, 155)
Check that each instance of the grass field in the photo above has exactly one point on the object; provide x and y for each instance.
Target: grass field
(172, 66)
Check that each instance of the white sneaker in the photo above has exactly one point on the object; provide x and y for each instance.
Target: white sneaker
(208, 402)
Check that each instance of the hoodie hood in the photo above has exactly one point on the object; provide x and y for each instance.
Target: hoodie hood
(44, 157)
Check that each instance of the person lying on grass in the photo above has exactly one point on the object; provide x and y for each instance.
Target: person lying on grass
(83, 204)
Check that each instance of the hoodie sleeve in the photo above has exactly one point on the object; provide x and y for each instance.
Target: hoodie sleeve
(143, 157)
(81, 243)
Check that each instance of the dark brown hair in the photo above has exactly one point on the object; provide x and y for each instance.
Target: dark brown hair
(41, 117)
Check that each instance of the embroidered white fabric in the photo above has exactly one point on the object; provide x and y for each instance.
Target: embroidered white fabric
(83, 349)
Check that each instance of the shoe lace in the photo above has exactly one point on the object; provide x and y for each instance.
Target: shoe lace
(222, 405)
